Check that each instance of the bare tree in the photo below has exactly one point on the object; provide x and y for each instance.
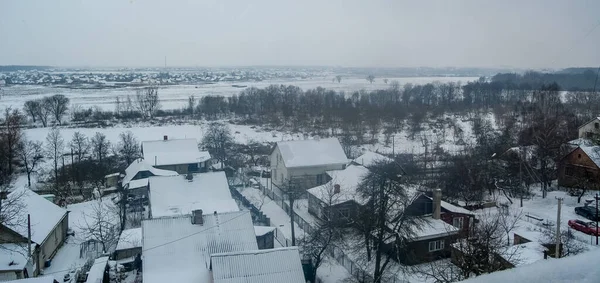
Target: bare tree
(11, 211)
(100, 146)
(384, 220)
(32, 107)
(43, 112)
(57, 105)
(11, 137)
(370, 78)
(80, 146)
(217, 141)
(54, 148)
(191, 104)
(147, 101)
(338, 78)
(128, 147)
(30, 156)
(385, 81)
(570, 244)
(101, 223)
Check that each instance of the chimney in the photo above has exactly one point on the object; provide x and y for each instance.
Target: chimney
(197, 217)
(437, 203)
(165, 138)
(336, 189)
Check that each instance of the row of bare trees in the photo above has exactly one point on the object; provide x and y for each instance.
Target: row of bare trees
(54, 106)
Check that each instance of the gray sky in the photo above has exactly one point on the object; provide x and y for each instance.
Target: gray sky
(359, 33)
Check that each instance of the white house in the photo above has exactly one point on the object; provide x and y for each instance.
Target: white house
(180, 195)
(304, 162)
(137, 174)
(180, 155)
(591, 129)
(49, 225)
(178, 249)
(270, 265)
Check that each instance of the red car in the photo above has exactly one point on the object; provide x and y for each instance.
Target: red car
(585, 227)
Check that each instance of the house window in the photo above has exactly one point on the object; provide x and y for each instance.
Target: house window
(579, 155)
(457, 222)
(568, 171)
(597, 125)
(436, 245)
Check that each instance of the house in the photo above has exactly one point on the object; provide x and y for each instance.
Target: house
(304, 162)
(580, 168)
(128, 247)
(431, 242)
(590, 129)
(179, 155)
(449, 213)
(179, 249)
(265, 237)
(14, 262)
(578, 268)
(338, 199)
(49, 225)
(180, 195)
(111, 180)
(272, 265)
(137, 174)
(42, 279)
(99, 271)
(369, 158)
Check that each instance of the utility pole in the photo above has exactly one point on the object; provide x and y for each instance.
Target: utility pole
(28, 235)
(596, 219)
(558, 228)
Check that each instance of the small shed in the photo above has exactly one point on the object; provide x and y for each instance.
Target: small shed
(111, 180)
(129, 246)
(265, 237)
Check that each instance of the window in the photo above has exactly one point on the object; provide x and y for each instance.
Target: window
(568, 171)
(436, 245)
(579, 155)
(320, 179)
(274, 174)
(457, 222)
(597, 125)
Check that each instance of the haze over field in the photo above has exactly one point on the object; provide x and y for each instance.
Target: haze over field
(379, 33)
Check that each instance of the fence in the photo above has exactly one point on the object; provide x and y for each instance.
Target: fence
(257, 214)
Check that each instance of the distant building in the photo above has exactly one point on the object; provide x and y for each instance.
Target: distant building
(137, 174)
(49, 225)
(180, 195)
(590, 130)
(179, 155)
(369, 158)
(304, 162)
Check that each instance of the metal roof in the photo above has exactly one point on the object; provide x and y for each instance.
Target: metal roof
(175, 249)
(261, 266)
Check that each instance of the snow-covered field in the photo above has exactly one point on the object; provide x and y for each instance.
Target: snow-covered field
(176, 96)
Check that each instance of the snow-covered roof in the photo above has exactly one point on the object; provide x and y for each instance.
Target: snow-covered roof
(581, 142)
(433, 228)
(370, 158)
(526, 253)
(317, 152)
(258, 266)
(140, 165)
(588, 122)
(130, 238)
(175, 250)
(13, 256)
(593, 152)
(175, 151)
(44, 215)
(175, 195)
(581, 268)
(42, 279)
(96, 272)
(349, 179)
(263, 230)
(453, 208)
(139, 183)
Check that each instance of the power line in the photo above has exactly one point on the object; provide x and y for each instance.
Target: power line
(162, 245)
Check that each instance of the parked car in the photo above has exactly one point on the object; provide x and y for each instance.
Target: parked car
(588, 212)
(585, 227)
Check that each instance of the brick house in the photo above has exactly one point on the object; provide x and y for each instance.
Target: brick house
(580, 168)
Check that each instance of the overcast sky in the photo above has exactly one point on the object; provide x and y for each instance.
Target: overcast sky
(354, 33)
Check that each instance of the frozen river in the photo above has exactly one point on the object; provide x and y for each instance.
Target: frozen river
(176, 96)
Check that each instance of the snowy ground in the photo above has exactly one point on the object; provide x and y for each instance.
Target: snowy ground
(176, 96)
(67, 258)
